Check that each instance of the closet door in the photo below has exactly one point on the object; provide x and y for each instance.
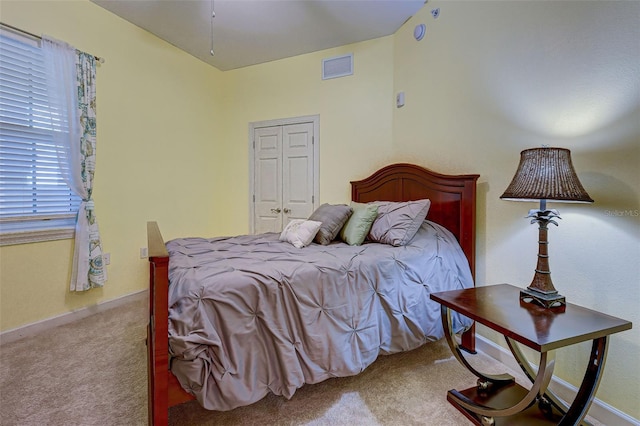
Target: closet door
(268, 179)
(284, 174)
(297, 171)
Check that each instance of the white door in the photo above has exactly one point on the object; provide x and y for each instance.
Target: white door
(297, 171)
(284, 175)
(268, 179)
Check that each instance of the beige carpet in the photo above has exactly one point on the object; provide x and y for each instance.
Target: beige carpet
(94, 373)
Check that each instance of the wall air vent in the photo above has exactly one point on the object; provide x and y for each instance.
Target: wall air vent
(338, 66)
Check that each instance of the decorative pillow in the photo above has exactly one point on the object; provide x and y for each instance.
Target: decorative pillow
(358, 225)
(300, 232)
(333, 217)
(398, 222)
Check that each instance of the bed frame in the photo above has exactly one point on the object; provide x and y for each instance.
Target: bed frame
(453, 201)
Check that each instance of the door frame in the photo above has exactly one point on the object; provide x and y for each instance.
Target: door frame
(315, 119)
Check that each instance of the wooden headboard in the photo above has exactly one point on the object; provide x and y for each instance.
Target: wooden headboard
(453, 198)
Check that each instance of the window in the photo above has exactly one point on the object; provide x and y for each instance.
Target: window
(35, 202)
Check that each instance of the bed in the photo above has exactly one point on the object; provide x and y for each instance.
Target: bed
(451, 215)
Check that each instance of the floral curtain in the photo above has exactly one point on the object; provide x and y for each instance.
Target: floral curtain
(72, 77)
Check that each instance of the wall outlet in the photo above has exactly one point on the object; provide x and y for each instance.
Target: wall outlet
(144, 253)
(106, 258)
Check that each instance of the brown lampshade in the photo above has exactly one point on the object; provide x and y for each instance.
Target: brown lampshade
(546, 174)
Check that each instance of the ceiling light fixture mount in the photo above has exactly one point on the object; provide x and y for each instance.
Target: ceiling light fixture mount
(213, 15)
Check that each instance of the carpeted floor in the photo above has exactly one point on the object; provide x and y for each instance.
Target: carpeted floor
(93, 372)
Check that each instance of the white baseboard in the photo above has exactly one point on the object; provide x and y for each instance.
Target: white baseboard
(599, 410)
(40, 326)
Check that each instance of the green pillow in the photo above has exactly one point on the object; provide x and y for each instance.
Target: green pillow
(357, 227)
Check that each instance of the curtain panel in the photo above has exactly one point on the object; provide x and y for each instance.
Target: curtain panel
(72, 75)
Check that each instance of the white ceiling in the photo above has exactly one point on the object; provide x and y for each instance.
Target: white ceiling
(248, 32)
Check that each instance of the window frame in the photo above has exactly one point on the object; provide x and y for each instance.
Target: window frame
(38, 227)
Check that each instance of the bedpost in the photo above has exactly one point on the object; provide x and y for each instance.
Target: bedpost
(157, 330)
(468, 243)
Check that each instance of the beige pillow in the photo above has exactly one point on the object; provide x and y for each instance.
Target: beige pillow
(300, 232)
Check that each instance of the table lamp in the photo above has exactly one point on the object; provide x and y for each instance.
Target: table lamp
(545, 174)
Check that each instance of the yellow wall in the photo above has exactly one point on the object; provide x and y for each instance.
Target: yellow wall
(159, 110)
(488, 80)
(493, 78)
(355, 118)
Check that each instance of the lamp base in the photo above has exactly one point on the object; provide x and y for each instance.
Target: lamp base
(546, 300)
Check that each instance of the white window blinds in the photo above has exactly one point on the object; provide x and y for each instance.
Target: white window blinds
(33, 194)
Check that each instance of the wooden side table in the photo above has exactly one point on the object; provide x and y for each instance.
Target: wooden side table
(497, 399)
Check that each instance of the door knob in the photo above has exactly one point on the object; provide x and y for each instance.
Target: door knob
(286, 210)
(276, 210)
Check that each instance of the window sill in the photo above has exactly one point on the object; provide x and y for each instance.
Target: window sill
(35, 236)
